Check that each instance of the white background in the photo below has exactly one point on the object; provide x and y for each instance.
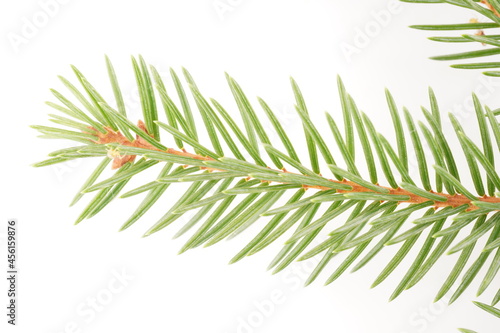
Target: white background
(261, 44)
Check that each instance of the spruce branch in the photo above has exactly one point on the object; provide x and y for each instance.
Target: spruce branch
(359, 189)
(230, 194)
(489, 42)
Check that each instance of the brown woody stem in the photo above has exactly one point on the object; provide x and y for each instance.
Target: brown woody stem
(116, 137)
(490, 7)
